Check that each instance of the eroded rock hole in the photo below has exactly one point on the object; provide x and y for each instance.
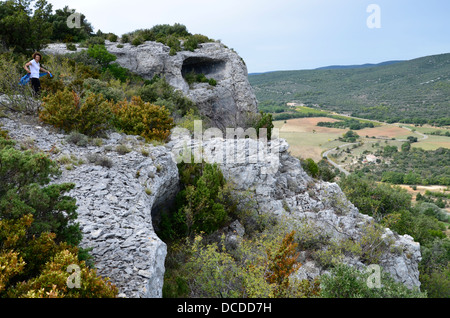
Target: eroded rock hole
(211, 68)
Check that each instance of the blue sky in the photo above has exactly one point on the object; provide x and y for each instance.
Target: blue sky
(289, 34)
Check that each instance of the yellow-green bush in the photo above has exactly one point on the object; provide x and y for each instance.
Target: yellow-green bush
(258, 268)
(20, 279)
(54, 277)
(67, 111)
(144, 119)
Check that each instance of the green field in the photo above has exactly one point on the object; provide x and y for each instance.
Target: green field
(307, 140)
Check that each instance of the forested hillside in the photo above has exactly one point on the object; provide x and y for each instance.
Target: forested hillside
(415, 91)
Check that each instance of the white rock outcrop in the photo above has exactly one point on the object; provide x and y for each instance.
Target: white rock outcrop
(115, 195)
(278, 185)
(229, 104)
(115, 203)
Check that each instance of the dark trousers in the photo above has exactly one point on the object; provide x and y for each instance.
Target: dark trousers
(36, 85)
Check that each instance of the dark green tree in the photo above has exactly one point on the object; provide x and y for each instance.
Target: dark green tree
(24, 177)
(15, 26)
(41, 27)
(311, 167)
(62, 32)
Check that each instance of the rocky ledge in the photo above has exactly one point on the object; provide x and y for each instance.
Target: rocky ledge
(118, 192)
(279, 186)
(115, 194)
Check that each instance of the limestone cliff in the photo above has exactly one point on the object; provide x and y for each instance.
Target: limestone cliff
(230, 103)
(116, 201)
(278, 185)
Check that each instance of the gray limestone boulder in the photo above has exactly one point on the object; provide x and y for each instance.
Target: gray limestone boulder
(229, 104)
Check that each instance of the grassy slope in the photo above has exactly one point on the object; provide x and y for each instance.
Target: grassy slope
(418, 88)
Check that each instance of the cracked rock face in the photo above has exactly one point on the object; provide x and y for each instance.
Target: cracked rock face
(229, 104)
(278, 184)
(114, 203)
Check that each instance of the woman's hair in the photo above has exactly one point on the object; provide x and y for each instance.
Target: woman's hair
(37, 53)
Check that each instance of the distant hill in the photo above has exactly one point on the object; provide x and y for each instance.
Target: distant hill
(334, 67)
(414, 91)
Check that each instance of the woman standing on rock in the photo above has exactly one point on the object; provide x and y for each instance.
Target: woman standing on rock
(33, 68)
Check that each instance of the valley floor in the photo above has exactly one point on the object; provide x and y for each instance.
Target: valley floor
(307, 140)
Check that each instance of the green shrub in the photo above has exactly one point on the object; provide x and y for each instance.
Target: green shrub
(144, 119)
(202, 204)
(122, 149)
(199, 202)
(169, 35)
(158, 91)
(99, 160)
(193, 77)
(212, 82)
(258, 268)
(78, 139)
(137, 41)
(71, 47)
(375, 199)
(112, 37)
(265, 121)
(194, 40)
(65, 110)
(188, 120)
(100, 87)
(173, 42)
(93, 41)
(436, 282)
(349, 136)
(125, 38)
(101, 55)
(347, 282)
(23, 174)
(119, 72)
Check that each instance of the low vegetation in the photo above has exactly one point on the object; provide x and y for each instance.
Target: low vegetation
(427, 224)
(39, 235)
(408, 92)
(176, 36)
(411, 166)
